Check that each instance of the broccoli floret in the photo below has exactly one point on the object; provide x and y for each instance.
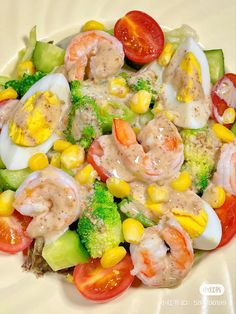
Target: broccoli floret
(85, 110)
(200, 149)
(23, 85)
(94, 119)
(100, 225)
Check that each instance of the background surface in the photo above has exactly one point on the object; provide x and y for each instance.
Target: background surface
(215, 22)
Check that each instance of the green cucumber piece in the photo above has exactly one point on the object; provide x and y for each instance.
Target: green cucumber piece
(12, 179)
(47, 56)
(64, 252)
(215, 60)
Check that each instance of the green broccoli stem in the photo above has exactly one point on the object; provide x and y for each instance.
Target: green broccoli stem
(23, 85)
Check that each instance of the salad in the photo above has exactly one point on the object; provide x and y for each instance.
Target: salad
(117, 156)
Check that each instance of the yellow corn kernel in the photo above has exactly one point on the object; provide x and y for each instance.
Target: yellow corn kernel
(8, 93)
(182, 183)
(156, 208)
(72, 157)
(140, 101)
(118, 187)
(223, 133)
(25, 67)
(69, 278)
(61, 145)
(229, 116)
(158, 194)
(87, 175)
(56, 160)
(93, 25)
(132, 230)
(166, 54)
(118, 87)
(113, 256)
(6, 203)
(215, 196)
(38, 161)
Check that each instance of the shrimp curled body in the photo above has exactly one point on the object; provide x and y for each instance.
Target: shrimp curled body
(164, 256)
(95, 55)
(51, 197)
(156, 154)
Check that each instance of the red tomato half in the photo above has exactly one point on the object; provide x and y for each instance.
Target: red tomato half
(141, 36)
(99, 284)
(12, 233)
(219, 105)
(227, 216)
(95, 152)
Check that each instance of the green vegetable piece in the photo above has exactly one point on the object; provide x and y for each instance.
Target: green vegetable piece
(2, 166)
(233, 128)
(215, 60)
(100, 225)
(3, 80)
(200, 149)
(27, 53)
(23, 85)
(178, 35)
(47, 56)
(114, 110)
(131, 210)
(12, 179)
(64, 252)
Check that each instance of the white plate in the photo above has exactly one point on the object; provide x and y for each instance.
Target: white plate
(20, 292)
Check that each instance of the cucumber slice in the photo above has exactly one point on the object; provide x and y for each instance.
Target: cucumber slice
(66, 251)
(47, 56)
(215, 60)
(12, 179)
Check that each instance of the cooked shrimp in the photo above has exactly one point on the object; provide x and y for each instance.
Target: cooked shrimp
(51, 197)
(95, 55)
(164, 256)
(225, 175)
(6, 109)
(159, 155)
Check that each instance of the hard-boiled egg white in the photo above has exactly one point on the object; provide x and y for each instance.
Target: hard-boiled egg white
(186, 86)
(31, 120)
(211, 236)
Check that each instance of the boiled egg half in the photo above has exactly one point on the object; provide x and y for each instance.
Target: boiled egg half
(211, 236)
(186, 86)
(33, 125)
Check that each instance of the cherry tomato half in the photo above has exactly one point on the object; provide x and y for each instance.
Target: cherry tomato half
(219, 105)
(103, 284)
(141, 36)
(227, 216)
(95, 152)
(12, 233)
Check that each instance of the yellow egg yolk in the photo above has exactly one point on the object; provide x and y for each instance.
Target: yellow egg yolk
(191, 79)
(35, 120)
(194, 225)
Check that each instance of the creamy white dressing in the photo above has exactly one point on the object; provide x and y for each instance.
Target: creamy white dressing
(111, 160)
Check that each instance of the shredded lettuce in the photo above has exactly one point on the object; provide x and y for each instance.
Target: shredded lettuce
(27, 53)
(178, 35)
